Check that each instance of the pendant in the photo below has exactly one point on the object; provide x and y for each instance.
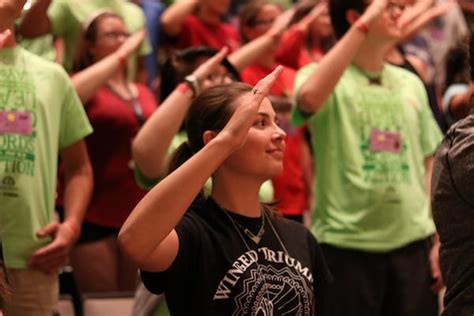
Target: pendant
(255, 238)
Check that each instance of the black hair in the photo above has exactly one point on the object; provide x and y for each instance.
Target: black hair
(183, 63)
(458, 63)
(338, 11)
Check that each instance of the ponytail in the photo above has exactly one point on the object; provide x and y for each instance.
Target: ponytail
(180, 156)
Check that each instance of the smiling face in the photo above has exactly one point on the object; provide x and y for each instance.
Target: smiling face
(261, 156)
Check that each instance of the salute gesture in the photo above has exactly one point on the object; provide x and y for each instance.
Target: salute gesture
(213, 138)
(245, 114)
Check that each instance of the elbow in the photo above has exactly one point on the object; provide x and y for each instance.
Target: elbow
(144, 160)
(307, 101)
(127, 246)
(169, 26)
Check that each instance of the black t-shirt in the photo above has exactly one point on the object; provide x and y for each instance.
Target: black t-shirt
(453, 212)
(215, 273)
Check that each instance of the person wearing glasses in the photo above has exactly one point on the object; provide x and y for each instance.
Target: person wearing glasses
(65, 19)
(375, 138)
(117, 108)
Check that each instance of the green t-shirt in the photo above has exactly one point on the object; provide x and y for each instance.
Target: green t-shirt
(370, 144)
(42, 46)
(67, 18)
(40, 114)
(266, 190)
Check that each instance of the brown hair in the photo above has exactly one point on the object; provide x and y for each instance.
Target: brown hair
(302, 9)
(248, 15)
(82, 57)
(210, 111)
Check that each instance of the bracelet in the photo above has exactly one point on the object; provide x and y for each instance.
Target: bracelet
(183, 87)
(361, 26)
(122, 60)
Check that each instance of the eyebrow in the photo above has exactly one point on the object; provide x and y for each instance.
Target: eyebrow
(268, 116)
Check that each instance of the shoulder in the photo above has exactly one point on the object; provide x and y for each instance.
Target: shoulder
(402, 73)
(132, 8)
(290, 228)
(54, 72)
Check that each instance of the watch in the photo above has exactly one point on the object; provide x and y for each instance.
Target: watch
(193, 82)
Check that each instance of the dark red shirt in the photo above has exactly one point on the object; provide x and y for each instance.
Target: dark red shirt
(197, 33)
(115, 125)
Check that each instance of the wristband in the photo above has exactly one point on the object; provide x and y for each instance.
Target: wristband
(193, 83)
(361, 26)
(122, 60)
(183, 87)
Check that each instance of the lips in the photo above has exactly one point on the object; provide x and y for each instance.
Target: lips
(276, 153)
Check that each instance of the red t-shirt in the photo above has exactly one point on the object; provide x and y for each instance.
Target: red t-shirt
(289, 188)
(197, 33)
(292, 51)
(115, 125)
(282, 87)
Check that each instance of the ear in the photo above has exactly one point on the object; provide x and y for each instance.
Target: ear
(208, 136)
(352, 16)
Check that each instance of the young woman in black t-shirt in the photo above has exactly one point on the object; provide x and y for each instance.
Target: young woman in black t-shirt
(226, 254)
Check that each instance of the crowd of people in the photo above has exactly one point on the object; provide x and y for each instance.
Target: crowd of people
(218, 157)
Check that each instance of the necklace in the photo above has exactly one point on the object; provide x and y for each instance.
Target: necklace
(267, 304)
(132, 101)
(255, 238)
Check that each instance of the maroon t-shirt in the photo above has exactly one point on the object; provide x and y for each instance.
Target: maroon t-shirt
(115, 125)
(197, 33)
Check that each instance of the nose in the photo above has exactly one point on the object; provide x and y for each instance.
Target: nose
(279, 134)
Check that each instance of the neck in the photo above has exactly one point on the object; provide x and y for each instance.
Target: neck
(208, 16)
(118, 78)
(371, 56)
(394, 57)
(237, 195)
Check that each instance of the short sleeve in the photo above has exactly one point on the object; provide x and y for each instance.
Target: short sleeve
(74, 124)
(321, 274)
(298, 118)
(183, 268)
(450, 93)
(60, 17)
(430, 134)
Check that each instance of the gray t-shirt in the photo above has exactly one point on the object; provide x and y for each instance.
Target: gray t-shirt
(453, 211)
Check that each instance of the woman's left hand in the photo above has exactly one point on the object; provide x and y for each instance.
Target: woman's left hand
(237, 128)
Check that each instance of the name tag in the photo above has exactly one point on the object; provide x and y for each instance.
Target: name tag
(14, 122)
(382, 141)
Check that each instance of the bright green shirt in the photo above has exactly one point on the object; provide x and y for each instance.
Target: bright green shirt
(28, 162)
(42, 46)
(365, 198)
(266, 190)
(67, 18)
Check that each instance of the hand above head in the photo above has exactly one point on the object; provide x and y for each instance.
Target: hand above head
(204, 73)
(281, 23)
(131, 44)
(53, 256)
(237, 128)
(318, 10)
(373, 11)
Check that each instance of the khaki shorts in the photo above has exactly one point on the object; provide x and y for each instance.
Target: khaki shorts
(33, 293)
